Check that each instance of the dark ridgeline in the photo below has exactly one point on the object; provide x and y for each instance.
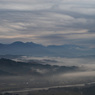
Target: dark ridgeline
(9, 67)
(20, 48)
(33, 49)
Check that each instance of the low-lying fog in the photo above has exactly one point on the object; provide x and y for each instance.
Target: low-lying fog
(86, 65)
(85, 73)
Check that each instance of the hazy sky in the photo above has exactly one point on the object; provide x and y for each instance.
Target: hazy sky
(48, 21)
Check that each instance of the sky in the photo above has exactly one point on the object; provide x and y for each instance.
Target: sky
(48, 22)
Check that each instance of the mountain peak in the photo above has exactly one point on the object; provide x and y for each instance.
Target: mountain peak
(18, 42)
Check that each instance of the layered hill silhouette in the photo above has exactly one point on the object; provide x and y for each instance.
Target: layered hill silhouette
(33, 49)
(10, 67)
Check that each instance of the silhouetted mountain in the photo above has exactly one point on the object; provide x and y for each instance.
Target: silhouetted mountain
(20, 48)
(27, 44)
(20, 68)
(33, 49)
(69, 50)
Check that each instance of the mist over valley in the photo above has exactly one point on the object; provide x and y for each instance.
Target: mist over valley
(47, 47)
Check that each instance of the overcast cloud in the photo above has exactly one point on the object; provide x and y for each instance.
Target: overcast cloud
(48, 21)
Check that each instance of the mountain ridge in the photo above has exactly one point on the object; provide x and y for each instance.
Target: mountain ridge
(10, 67)
(34, 49)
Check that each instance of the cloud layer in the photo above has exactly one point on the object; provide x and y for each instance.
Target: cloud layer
(48, 21)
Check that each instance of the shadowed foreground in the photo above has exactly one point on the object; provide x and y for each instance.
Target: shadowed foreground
(60, 91)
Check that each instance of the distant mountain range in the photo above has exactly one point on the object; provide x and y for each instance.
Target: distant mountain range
(10, 67)
(33, 49)
(20, 48)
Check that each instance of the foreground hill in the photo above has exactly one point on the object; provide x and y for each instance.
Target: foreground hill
(9, 67)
